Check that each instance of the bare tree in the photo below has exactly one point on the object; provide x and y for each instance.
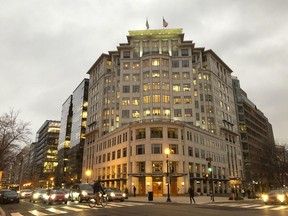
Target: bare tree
(13, 131)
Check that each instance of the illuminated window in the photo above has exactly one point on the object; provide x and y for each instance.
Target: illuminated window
(194, 81)
(176, 88)
(187, 100)
(146, 86)
(199, 76)
(126, 65)
(156, 86)
(155, 62)
(166, 112)
(146, 99)
(195, 93)
(156, 98)
(136, 65)
(125, 101)
(156, 111)
(126, 77)
(165, 74)
(186, 87)
(157, 167)
(166, 86)
(166, 98)
(177, 100)
(186, 75)
(135, 114)
(155, 74)
(136, 77)
(146, 112)
(176, 75)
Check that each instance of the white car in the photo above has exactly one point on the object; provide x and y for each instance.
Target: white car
(25, 193)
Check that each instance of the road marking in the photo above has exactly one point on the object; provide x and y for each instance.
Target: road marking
(263, 207)
(16, 214)
(83, 206)
(37, 213)
(56, 211)
(279, 208)
(71, 208)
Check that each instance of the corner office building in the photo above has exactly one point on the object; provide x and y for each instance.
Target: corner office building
(155, 92)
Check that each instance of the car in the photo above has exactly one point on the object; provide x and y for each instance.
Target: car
(81, 192)
(279, 196)
(25, 193)
(55, 196)
(9, 196)
(115, 194)
(37, 195)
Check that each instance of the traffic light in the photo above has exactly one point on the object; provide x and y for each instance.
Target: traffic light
(209, 167)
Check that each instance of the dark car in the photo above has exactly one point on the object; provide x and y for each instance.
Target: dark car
(80, 192)
(9, 196)
(279, 196)
(55, 196)
(37, 195)
(115, 194)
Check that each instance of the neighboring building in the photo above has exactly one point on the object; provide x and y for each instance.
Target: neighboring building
(155, 92)
(45, 154)
(281, 166)
(72, 136)
(257, 142)
(63, 172)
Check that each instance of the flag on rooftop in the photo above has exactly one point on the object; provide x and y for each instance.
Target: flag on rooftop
(165, 24)
(147, 24)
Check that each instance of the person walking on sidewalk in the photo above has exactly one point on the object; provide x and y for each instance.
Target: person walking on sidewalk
(134, 190)
(191, 194)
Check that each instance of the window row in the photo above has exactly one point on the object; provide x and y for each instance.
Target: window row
(157, 112)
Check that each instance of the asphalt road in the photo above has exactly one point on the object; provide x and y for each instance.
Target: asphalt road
(25, 208)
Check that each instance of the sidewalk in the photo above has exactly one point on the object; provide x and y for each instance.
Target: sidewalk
(179, 199)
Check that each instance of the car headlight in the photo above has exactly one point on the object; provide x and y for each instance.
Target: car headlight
(124, 194)
(281, 197)
(84, 193)
(22, 194)
(112, 194)
(66, 196)
(265, 197)
(36, 196)
(53, 196)
(45, 196)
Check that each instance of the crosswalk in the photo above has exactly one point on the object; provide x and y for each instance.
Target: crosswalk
(251, 206)
(66, 209)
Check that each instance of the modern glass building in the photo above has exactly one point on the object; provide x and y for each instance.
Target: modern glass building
(157, 92)
(72, 136)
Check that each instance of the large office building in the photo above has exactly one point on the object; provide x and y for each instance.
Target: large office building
(257, 142)
(44, 154)
(72, 136)
(158, 92)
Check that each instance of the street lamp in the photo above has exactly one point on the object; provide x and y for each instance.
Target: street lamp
(210, 170)
(88, 174)
(167, 152)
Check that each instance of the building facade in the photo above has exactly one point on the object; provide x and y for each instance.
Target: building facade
(159, 91)
(45, 154)
(72, 136)
(257, 142)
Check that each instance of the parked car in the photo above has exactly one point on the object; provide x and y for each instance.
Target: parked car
(25, 193)
(80, 192)
(9, 196)
(37, 195)
(279, 196)
(55, 196)
(115, 194)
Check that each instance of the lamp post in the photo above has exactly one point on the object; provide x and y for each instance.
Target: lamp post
(167, 152)
(88, 174)
(210, 170)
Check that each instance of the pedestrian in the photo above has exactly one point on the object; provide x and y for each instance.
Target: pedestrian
(126, 192)
(134, 190)
(191, 194)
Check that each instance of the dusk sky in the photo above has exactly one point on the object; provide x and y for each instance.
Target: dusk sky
(47, 47)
